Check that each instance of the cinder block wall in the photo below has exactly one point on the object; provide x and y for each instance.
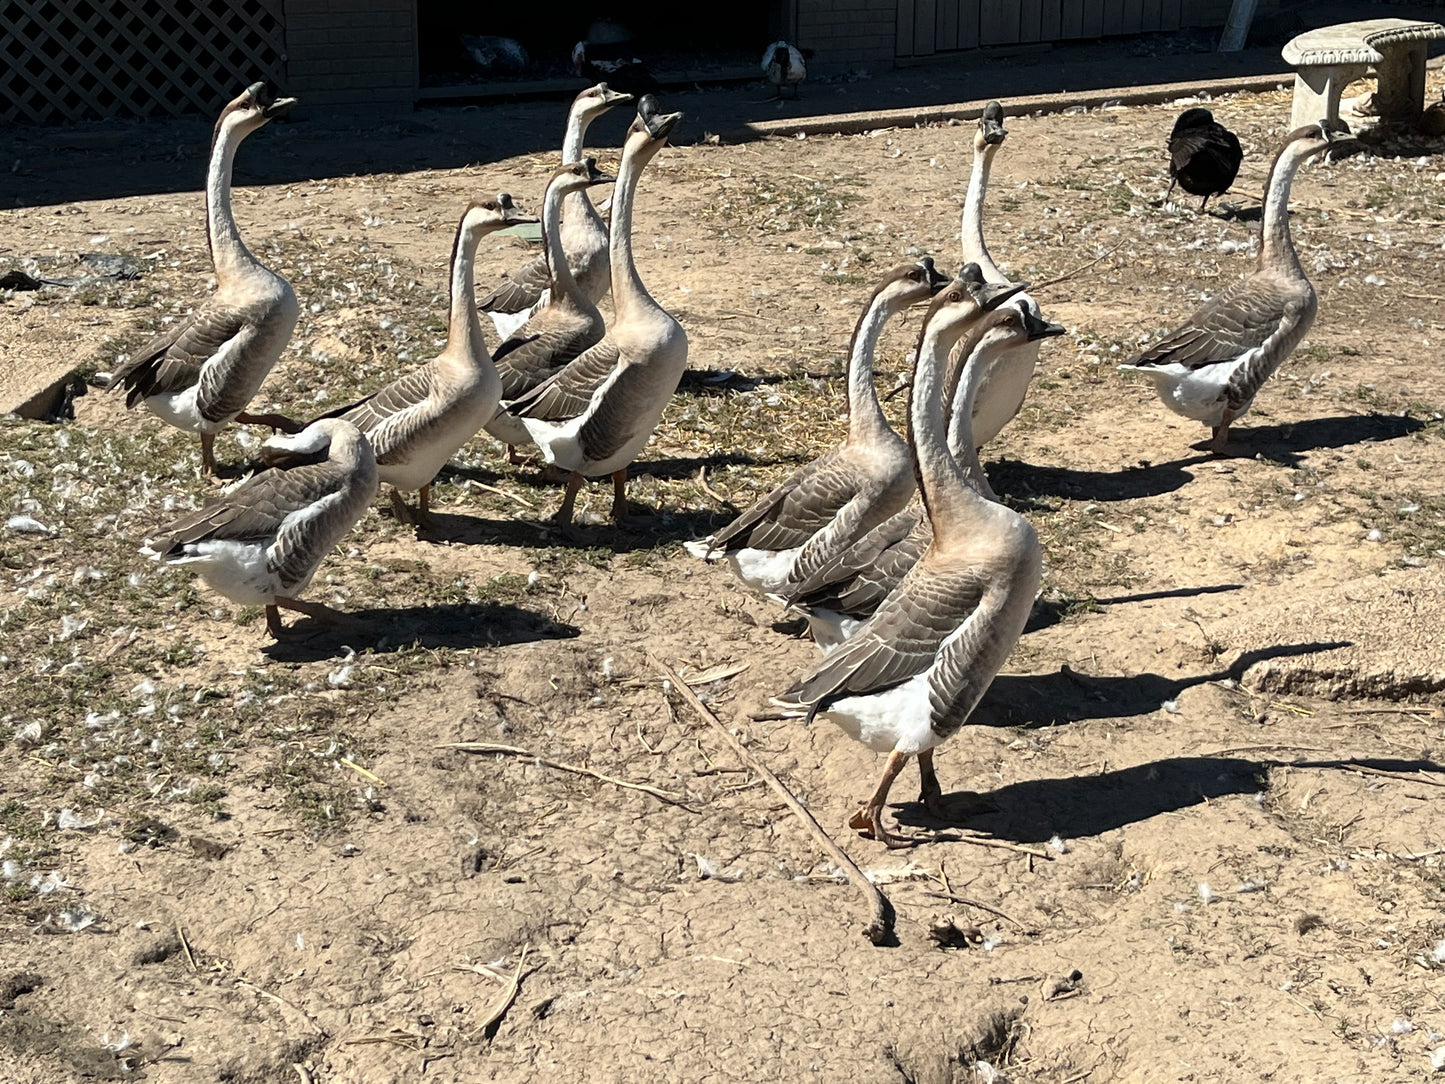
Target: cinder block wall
(848, 34)
(341, 52)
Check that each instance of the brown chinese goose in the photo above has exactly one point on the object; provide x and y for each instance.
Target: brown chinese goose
(1004, 383)
(261, 543)
(911, 676)
(204, 371)
(420, 420)
(1211, 367)
(597, 414)
(830, 502)
(562, 329)
(584, 235)
(846, 591)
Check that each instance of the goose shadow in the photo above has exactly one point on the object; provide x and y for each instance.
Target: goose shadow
(1286, 443)
(720, 382)
(645, 528)
(1078, 807)
(1049, 612)
(384, 630)
(1039, 700)
(1030, 481)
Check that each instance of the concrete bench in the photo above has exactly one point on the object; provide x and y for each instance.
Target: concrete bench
(1328, 59)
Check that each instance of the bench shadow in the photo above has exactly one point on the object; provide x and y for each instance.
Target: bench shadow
(388, 629)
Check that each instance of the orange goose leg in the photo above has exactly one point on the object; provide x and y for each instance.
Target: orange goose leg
(869, 819)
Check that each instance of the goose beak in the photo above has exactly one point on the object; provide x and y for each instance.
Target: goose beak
(1340, 141)
(991, 124)
(990, 295)
(512, 214)
(936, 279)
(658, 125)
(1040, 329)
(612, 97)
(264, 95)
(600, 178)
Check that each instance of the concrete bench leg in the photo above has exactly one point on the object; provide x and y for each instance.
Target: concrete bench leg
(1317, 92)
(1400, 85)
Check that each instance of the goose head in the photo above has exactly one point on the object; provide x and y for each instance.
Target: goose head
(495, 213)
(251, 109)
(1013, 325)
(1332, 137)
(594, 101)
(991, 132)
(575, 176)
(314, 444)
(907, 284)
(964, 300)
(650, 130)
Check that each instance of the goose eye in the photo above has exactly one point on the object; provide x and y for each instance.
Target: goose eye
(955, 295)
(491, 205)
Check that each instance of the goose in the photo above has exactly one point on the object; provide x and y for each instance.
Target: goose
(261, 543)
(783, 65)
(615, 64)
(1003, 386)
(911, 676)
(595, 416)
(1211, 367)
(420, 420)
(204, 371)
(842, 594)
(847, 491)
(562, 329)
(1204, 155)
(584, 235)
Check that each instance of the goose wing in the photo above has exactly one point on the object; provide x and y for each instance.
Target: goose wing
(791, 514)
(175, 361)
(856, 581)
(541, 348)
(898, 643)
(392, 415)
(569, 392)
(519, 290)
(262, 508)
(1242, 318)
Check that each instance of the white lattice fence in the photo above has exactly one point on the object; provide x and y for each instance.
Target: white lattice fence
(83, 59)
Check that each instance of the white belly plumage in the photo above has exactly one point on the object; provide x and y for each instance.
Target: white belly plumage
(1197, 393)
(179, 409)
(896, 719)
(235, 569)
(509, 323)
(831, 628)
(763, 570)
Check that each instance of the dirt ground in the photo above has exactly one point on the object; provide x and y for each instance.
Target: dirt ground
(1198, 834)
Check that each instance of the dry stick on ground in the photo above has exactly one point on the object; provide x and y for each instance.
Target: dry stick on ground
(504, 1002)
(998, 844)
(981, 906)
(562, 766)
(1078, 270)
(880, 922)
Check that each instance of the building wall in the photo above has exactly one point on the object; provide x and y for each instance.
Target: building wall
(847, 34)
(341, 52)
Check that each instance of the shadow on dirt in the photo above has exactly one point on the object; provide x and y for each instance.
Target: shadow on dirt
(1049, 612)
(1021, 480)
(386, 629)
(1039, 700)
(1075, 807)
(1286, 443)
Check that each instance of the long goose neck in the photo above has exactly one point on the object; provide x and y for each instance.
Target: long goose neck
(573, 145)
(947, 495)
(464, 328)
(865, 414)
(974, 249)
(228, 251)
(628, 293)
(562, 277)
(1276, 249)
(960, 413)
